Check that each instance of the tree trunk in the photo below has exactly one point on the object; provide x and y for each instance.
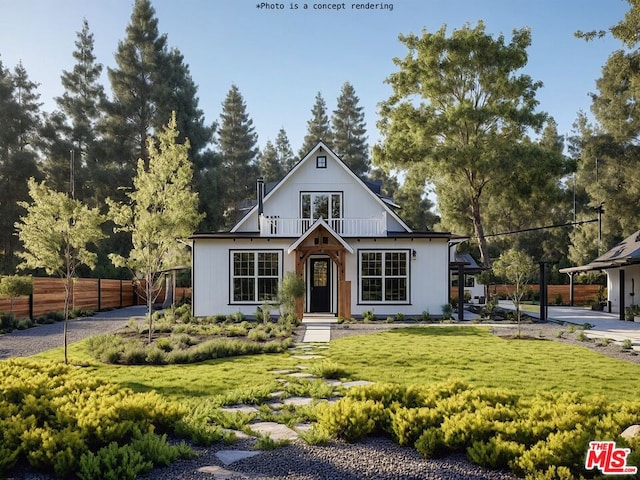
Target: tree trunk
(479, 232)
(148, 289)
(67, 294)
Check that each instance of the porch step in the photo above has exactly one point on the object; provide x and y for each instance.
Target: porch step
(318, 327)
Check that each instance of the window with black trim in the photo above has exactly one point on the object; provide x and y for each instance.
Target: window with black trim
(321, 162)
(255, 275)
(384, 276)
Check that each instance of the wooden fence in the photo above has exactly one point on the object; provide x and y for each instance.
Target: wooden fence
(87, 294)
(582, 294)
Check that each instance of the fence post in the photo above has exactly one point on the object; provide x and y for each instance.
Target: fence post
(99, 294)
(31, 306)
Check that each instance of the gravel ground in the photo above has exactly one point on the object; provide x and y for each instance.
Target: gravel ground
(373, 458)
(24, 343)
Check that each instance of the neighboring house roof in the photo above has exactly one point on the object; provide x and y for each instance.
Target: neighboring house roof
(627, 252)
(358, 180)
(470, 264)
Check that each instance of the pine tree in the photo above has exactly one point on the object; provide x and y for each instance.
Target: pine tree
(137, 84)
(237, 140)
(318, 127)
(268, 164)
(74, 127)
(349, 131)
(283, 149)
(19, 154)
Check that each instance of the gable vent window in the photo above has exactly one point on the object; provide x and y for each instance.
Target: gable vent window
(321, 162)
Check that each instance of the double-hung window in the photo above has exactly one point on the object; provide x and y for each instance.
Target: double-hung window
(255, 275)
(384, 276)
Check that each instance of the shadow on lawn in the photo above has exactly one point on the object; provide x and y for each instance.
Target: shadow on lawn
(438, 331)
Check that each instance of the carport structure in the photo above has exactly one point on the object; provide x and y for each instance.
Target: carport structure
(622, 266)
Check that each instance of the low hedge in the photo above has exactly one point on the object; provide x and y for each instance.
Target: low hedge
(60, 419)
(546, 436)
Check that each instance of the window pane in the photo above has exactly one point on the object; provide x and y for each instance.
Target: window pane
(336, 207)
(372, 264)
(268, 264)
(396, 264)
(306, 205)
(320, 206)
(267, 289)
(395, 289)
(320, 274)
(243, 264)
(243, 289)
(372, 289)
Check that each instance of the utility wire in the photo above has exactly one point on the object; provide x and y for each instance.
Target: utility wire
(532, 229)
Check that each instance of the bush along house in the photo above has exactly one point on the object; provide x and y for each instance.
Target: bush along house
(335, 231)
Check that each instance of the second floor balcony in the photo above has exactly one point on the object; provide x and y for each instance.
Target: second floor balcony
(275, 226)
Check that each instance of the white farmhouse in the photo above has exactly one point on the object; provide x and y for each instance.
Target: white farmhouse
(327, 225)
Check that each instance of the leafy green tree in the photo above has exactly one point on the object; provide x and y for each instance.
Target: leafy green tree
(160, 214)
(459, 107)
(416, 206)
(349, 138)
(56, 232)
(518, 269)
(238, 151)
(318, 127)
(14, 286)
(20, 109)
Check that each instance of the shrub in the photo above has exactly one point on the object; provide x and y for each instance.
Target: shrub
(431, 443)
(113, 463)
(400, 317)
(426, 316)
(495, 453)
(408, 424)
(156, 449)
(328, 369)
(368, 316)
(314, 436)
(350, 419)
(155, 355)
(23, 324)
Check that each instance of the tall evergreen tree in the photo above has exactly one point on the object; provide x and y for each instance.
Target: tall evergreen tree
(237, 140)
(74, 127)
(138, 86)
(283, 149)
(18, 154)
(318, 127)
(349, 139)
(270, 168)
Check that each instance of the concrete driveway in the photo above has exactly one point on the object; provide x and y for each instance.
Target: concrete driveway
(605, 325)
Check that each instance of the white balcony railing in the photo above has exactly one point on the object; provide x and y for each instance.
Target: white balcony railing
(274, 226)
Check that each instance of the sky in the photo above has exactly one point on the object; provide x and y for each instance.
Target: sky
(280, 58)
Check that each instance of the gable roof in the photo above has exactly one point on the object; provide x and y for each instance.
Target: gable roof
(627, 252)
(320, 146)
(316, 225)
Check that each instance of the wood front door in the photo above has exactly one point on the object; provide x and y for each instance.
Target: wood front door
(320, 300)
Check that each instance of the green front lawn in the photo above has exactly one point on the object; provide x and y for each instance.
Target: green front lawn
(418, 355)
